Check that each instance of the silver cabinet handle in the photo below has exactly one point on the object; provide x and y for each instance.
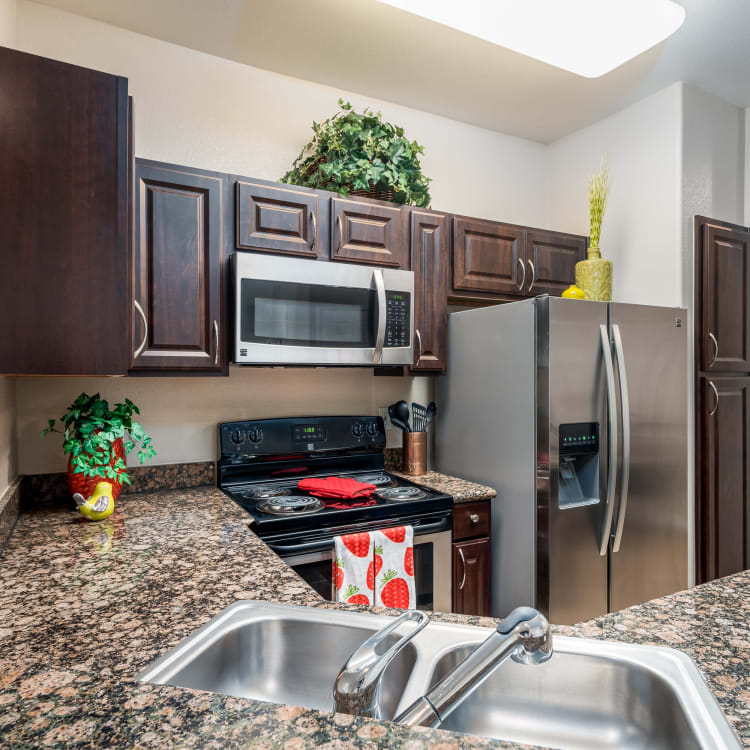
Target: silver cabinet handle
(377, 276)
(340, 233)
(474, 518)
(419, 344)
(625, 406)
(314, 230)
(716, 349)
(611, 440)
(140, 349)
(216, 341)
(712, 385)
(523, 278)
(533, 273)
(463, 568)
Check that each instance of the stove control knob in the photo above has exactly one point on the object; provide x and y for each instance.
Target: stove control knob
(357, 430)
(255, 434)
(237, 437)
(372, 428)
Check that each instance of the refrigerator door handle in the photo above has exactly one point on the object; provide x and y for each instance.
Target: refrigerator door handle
(611, 440)
(625, 403)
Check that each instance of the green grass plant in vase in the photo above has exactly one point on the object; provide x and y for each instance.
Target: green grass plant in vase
(594, 275)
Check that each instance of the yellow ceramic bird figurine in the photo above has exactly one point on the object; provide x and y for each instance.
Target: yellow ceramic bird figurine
(99, 505)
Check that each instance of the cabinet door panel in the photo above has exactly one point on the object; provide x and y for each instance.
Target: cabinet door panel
(367, 233)
(725, 339)
(724, 492)
(178, 269)
(430, 263)
(487, 256)
(471, 577)
(279, 220)
(551, 259)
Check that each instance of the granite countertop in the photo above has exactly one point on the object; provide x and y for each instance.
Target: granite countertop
(462, 490)
(84, 607)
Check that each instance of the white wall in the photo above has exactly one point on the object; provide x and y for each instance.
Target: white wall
(8, 23)
(747, 166)
(640, 232)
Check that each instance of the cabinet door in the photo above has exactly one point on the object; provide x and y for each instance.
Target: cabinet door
(471, 577)
(725, 319)
(177, 318)
(277, 220)
(551, 259)
(724, 492)
(63, 213)
(430, 263)
(367, 233)
(488, 257)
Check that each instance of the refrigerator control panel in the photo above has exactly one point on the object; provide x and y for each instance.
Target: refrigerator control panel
(578, 438)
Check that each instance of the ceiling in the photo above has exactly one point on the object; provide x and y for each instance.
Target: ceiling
(374, 49)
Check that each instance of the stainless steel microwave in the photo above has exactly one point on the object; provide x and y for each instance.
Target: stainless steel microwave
(290, 311)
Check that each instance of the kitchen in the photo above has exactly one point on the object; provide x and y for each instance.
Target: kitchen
(208, 125)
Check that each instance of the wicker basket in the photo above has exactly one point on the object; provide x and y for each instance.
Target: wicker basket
(85, 485)
(372, 192)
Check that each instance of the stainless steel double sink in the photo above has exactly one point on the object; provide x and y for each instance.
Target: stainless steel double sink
(590, 694)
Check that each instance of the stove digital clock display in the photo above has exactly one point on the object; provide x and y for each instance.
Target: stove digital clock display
(308, 433)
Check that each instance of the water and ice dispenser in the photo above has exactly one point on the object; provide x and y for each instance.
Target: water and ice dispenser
(579, 464)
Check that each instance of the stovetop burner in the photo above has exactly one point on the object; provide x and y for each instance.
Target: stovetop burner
(263, 491)
(401, 493)
(290, 505)
(378, 478)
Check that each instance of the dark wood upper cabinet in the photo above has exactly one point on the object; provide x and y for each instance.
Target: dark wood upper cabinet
(277, 219)
(724, 320)
(178, 322)
(368, 233)
(487, 256)
(723, 519)
(63, 213)
(471, 577)
(551, 259)
(430, 261)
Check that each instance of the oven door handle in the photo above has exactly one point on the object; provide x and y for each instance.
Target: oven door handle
(325, 544)
(377, 276)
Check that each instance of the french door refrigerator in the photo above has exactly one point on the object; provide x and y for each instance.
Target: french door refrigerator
(576, 413)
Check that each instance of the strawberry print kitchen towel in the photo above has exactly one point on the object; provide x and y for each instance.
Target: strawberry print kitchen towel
(394, 567)
(353, 576)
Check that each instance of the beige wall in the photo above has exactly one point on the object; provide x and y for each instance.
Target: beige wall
(8, 443)
(8, 23)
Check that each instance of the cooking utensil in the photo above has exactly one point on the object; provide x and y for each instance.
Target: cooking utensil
(401, 411)
(396, 421)
(418, 416)
(431, 409)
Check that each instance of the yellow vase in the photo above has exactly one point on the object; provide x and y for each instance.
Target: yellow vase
(594, 276)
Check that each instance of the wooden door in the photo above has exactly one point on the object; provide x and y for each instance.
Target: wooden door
(725, 317)
(488, 256)
(277, 219)
(471, 577)
(368, 233)
(551, 259)
(64, 218)
(430, 261)
(177, 316)
(724, 492)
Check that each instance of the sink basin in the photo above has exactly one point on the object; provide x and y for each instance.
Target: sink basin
(590, 694)
(278, 654)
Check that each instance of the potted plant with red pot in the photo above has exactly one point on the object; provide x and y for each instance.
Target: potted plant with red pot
(97, 440)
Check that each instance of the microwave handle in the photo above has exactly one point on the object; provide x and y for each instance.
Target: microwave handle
(377, 277)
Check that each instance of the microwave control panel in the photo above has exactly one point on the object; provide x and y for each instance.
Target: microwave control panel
(398, 319)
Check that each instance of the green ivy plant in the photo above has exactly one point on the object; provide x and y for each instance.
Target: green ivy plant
(352, 151)
(90, 430)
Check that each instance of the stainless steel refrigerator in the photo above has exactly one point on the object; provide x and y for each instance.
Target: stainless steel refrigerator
(576, 413)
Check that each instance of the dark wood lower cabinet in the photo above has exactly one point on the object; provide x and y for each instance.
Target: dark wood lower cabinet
(471, 577)
(178, 313)
(723, 493)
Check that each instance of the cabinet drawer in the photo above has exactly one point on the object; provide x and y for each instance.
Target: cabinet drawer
(471, 520)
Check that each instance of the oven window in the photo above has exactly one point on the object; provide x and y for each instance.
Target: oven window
(276, 312)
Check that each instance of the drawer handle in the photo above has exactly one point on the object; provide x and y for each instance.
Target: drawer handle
(314, 230)
(523, 278)
(216, 342)
(716, 396)
(463, 568)
(340, 237)
(142, 346)
(474, 518)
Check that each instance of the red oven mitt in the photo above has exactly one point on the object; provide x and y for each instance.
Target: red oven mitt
(342, 487)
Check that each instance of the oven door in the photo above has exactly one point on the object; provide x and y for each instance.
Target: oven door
(432, 565)
(292, 311)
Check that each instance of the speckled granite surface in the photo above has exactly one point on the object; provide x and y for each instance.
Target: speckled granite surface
(84, 607)
(10, 506)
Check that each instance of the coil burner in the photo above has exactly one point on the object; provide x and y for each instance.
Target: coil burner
(290, 505)
(263, 492)
(401, 493)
